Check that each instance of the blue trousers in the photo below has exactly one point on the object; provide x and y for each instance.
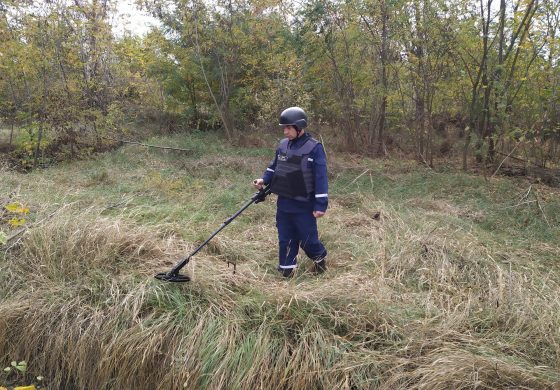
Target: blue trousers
(297, 230)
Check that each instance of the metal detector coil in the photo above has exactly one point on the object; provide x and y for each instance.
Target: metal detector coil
(175, 276)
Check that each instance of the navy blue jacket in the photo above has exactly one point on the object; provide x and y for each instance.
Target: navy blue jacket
(319, 198)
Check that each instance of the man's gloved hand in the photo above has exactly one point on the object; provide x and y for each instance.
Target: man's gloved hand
(258, 183)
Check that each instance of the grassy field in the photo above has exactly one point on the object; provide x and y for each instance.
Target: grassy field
(455, 285)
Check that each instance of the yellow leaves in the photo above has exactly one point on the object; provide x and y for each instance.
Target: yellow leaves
(16, 222)
(12, 215)
(16, 208)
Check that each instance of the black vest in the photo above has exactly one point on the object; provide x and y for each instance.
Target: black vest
(293, 177)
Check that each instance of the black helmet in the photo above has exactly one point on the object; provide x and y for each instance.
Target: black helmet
(293, 116)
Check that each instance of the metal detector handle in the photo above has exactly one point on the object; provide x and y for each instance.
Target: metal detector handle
(260, 196)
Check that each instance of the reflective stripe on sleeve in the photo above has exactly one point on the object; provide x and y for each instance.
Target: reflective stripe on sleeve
(309, 159)
(321, 195)
(270, 170)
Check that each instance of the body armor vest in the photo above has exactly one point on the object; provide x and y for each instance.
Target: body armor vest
(293, 177)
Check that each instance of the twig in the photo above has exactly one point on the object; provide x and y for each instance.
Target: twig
(15, 234)
(147, 145)
(425, 162)
(324, 148)
(115, 205)
(519, 204)
(26, 228)
(527, 193)
(353, 181)
(499, 166)
(523, 200)
(518, 159)
(540, 208)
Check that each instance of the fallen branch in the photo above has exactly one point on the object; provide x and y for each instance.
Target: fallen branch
(540, 208)
(519, 159)
(15, 234)
(523, 200)
(125, 201)
(499, 166)
(353, 181)
(425, 162)
(526, 196)
(148, 145)
(517, 205)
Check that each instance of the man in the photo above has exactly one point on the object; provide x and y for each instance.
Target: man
(298, 175)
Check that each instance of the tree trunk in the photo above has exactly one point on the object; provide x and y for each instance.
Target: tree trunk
(466, 147)
(482, 116)
(383, 109)
(38, 146)
(482, 129)
(194, 102)
(419, 91)
(97, 136)
(372, 129)
(350, 139)
(430, 146)
(420, 123)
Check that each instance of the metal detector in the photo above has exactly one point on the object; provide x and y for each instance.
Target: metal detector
(175, 276)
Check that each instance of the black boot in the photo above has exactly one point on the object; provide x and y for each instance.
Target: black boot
(288, 272)
(320, 267)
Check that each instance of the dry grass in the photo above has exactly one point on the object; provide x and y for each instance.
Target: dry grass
(411, 301)
(415, 309)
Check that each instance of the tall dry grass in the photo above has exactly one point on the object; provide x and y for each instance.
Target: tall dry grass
(406, 304)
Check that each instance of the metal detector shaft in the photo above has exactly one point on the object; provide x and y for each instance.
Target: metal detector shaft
(257, 198)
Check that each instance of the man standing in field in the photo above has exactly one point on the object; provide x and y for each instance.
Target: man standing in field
(298, 175)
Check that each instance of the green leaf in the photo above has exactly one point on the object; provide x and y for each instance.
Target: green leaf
(22, 366)
(3, 238)
(7, 369)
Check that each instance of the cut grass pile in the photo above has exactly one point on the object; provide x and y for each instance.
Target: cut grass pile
(436, 280)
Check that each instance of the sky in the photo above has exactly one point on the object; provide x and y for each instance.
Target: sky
(129, 18)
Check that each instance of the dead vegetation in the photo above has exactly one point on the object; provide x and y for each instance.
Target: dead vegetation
(417, 296)
(409, 308)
